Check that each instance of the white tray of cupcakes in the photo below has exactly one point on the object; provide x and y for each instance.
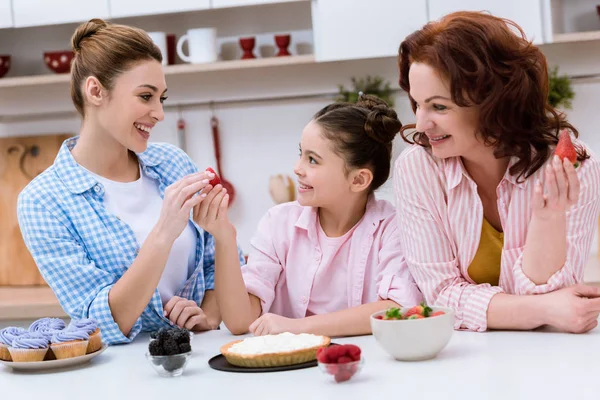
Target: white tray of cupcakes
(49, 343)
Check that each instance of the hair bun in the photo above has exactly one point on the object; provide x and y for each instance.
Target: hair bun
(382, 124)
(86, 30)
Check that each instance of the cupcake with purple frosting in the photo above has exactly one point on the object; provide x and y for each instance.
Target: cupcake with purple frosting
(47, 324)
(90, 326)
(28, 347)
(7, 335)
(69, 343)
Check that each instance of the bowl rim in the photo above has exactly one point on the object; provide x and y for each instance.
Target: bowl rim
(188, 353)
(446, 310)
(348, 363)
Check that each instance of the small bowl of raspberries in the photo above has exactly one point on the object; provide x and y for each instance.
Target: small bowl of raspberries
(169, 351)
(341, 361)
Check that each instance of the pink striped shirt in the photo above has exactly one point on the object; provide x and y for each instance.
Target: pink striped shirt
(286, 257)
(440, 216)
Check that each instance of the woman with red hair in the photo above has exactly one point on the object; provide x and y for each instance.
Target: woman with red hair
(492, 223)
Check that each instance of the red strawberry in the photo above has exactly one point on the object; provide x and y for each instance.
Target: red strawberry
(435, 314)
(214, 181)
(379, 317)
(353, 351)
(565, 149)
(422, 309)
(416, 316)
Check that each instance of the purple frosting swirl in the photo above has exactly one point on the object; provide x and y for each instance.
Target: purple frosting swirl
(30, 341)
(47, 323)
(68, 335)
(88, 325)
(7, 335)
(47, 332)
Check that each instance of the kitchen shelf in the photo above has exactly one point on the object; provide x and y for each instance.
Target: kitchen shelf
(575, 37)
(29, 302)
(24, 81)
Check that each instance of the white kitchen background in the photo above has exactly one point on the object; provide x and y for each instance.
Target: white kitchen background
(260, 138)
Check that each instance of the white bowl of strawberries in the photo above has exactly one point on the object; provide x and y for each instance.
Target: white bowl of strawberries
(413, 334)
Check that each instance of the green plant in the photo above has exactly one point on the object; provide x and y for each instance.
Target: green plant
(368, 85)
(561, 92)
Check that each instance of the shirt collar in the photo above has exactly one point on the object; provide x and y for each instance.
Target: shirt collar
(76, 178)
(456, 172)
(375, 212)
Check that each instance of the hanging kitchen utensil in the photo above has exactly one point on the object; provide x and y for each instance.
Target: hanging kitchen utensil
(214, 122)
(181, 139)
(282, 189)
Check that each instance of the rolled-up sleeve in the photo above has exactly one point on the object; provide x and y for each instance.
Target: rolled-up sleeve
(581, 225)
(428, 248)
(263, 269)
(81, 288)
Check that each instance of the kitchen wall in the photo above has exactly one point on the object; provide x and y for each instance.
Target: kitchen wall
(260, 139)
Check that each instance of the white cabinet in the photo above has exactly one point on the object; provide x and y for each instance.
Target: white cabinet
(5, 14)
(242, 3)
(128, 8)
(364, 29)
(527, 14)
(36, 12)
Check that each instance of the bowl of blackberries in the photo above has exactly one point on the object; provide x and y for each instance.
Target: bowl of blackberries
(169, 351)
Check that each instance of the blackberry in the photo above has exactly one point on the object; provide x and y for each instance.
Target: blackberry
(173, 363)
(155, 348)
(170, 347)
(184, 348)
(181, 336)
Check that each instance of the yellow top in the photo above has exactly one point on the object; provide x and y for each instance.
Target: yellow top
(485, 267)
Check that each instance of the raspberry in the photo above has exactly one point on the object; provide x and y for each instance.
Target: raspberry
(344, 360)
(335, 352)
(353, 351)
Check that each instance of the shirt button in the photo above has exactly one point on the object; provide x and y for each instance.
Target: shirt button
(97, 189)
(304, 300)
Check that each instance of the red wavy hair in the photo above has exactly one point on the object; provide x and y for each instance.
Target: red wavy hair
(490, 64)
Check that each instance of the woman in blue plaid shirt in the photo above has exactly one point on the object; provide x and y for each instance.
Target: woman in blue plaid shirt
(115, 225)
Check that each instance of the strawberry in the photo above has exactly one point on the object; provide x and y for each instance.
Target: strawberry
(379, 317)
(214, 181)
(422, 309)
(565, 149)
(353, 351)
(416, 316)
(435, 314)
(393, 313)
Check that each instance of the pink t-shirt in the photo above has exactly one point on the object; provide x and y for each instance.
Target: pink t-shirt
(286, 258)
(331, 272)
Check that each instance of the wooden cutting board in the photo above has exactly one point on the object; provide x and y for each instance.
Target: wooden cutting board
(21, 159)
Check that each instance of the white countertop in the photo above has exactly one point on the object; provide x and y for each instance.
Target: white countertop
(492, 365)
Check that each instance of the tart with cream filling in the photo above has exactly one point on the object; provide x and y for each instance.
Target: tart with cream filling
(274, 350)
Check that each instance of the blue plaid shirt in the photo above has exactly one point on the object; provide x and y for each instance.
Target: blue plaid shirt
(82, 250)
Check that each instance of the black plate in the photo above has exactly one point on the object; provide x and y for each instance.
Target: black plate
(220, 363)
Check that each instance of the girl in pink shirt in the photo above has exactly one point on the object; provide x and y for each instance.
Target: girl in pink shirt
(491, 223)
(322, 264)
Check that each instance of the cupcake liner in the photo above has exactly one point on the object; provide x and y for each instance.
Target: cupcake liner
(27, 355)
(4, 353)
(74, 348)
(95, 342)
